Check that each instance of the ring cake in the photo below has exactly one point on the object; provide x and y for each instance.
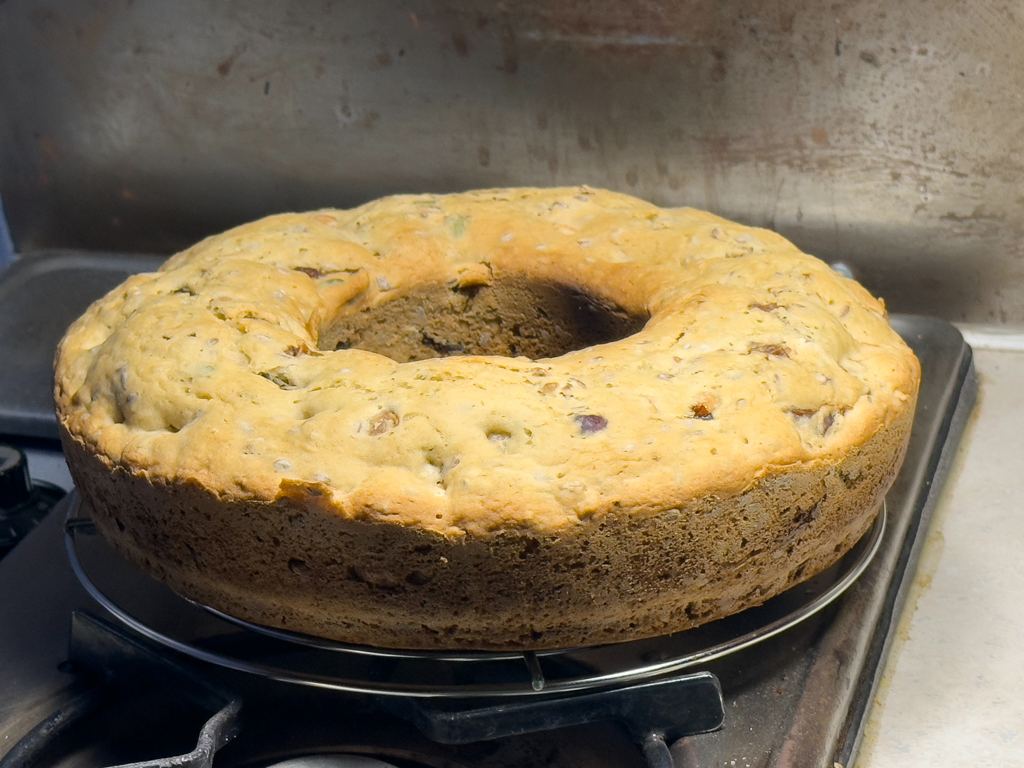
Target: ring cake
(506, 419)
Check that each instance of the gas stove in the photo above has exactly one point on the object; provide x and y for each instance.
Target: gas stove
(99, 668)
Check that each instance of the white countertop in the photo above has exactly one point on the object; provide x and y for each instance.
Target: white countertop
(952, 693)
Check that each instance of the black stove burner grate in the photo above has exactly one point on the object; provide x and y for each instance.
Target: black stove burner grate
(116, 671)
(114, 665)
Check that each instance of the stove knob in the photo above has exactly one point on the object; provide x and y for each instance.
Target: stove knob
(15, 484)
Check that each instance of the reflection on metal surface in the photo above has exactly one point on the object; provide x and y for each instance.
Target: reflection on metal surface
(333, 761)
(6, 244)
(1001, 338)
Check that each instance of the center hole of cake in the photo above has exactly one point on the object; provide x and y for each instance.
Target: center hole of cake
(510, 317)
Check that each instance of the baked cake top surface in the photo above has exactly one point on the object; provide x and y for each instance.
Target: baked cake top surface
(474, 362)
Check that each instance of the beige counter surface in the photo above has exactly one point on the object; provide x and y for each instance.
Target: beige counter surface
(953, 690)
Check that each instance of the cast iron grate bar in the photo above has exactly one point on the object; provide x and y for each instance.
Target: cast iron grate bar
(109, 661)
(655, 713)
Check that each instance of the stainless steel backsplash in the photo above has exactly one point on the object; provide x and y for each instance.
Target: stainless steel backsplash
(884, 134)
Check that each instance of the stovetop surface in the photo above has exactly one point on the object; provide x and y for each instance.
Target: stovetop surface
(798, 699)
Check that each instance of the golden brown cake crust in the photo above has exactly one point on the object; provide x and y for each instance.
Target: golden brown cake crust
(503, 419)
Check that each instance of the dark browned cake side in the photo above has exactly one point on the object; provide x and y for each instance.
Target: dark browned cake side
(610, 579)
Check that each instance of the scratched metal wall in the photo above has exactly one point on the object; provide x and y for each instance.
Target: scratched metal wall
(885, 134)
